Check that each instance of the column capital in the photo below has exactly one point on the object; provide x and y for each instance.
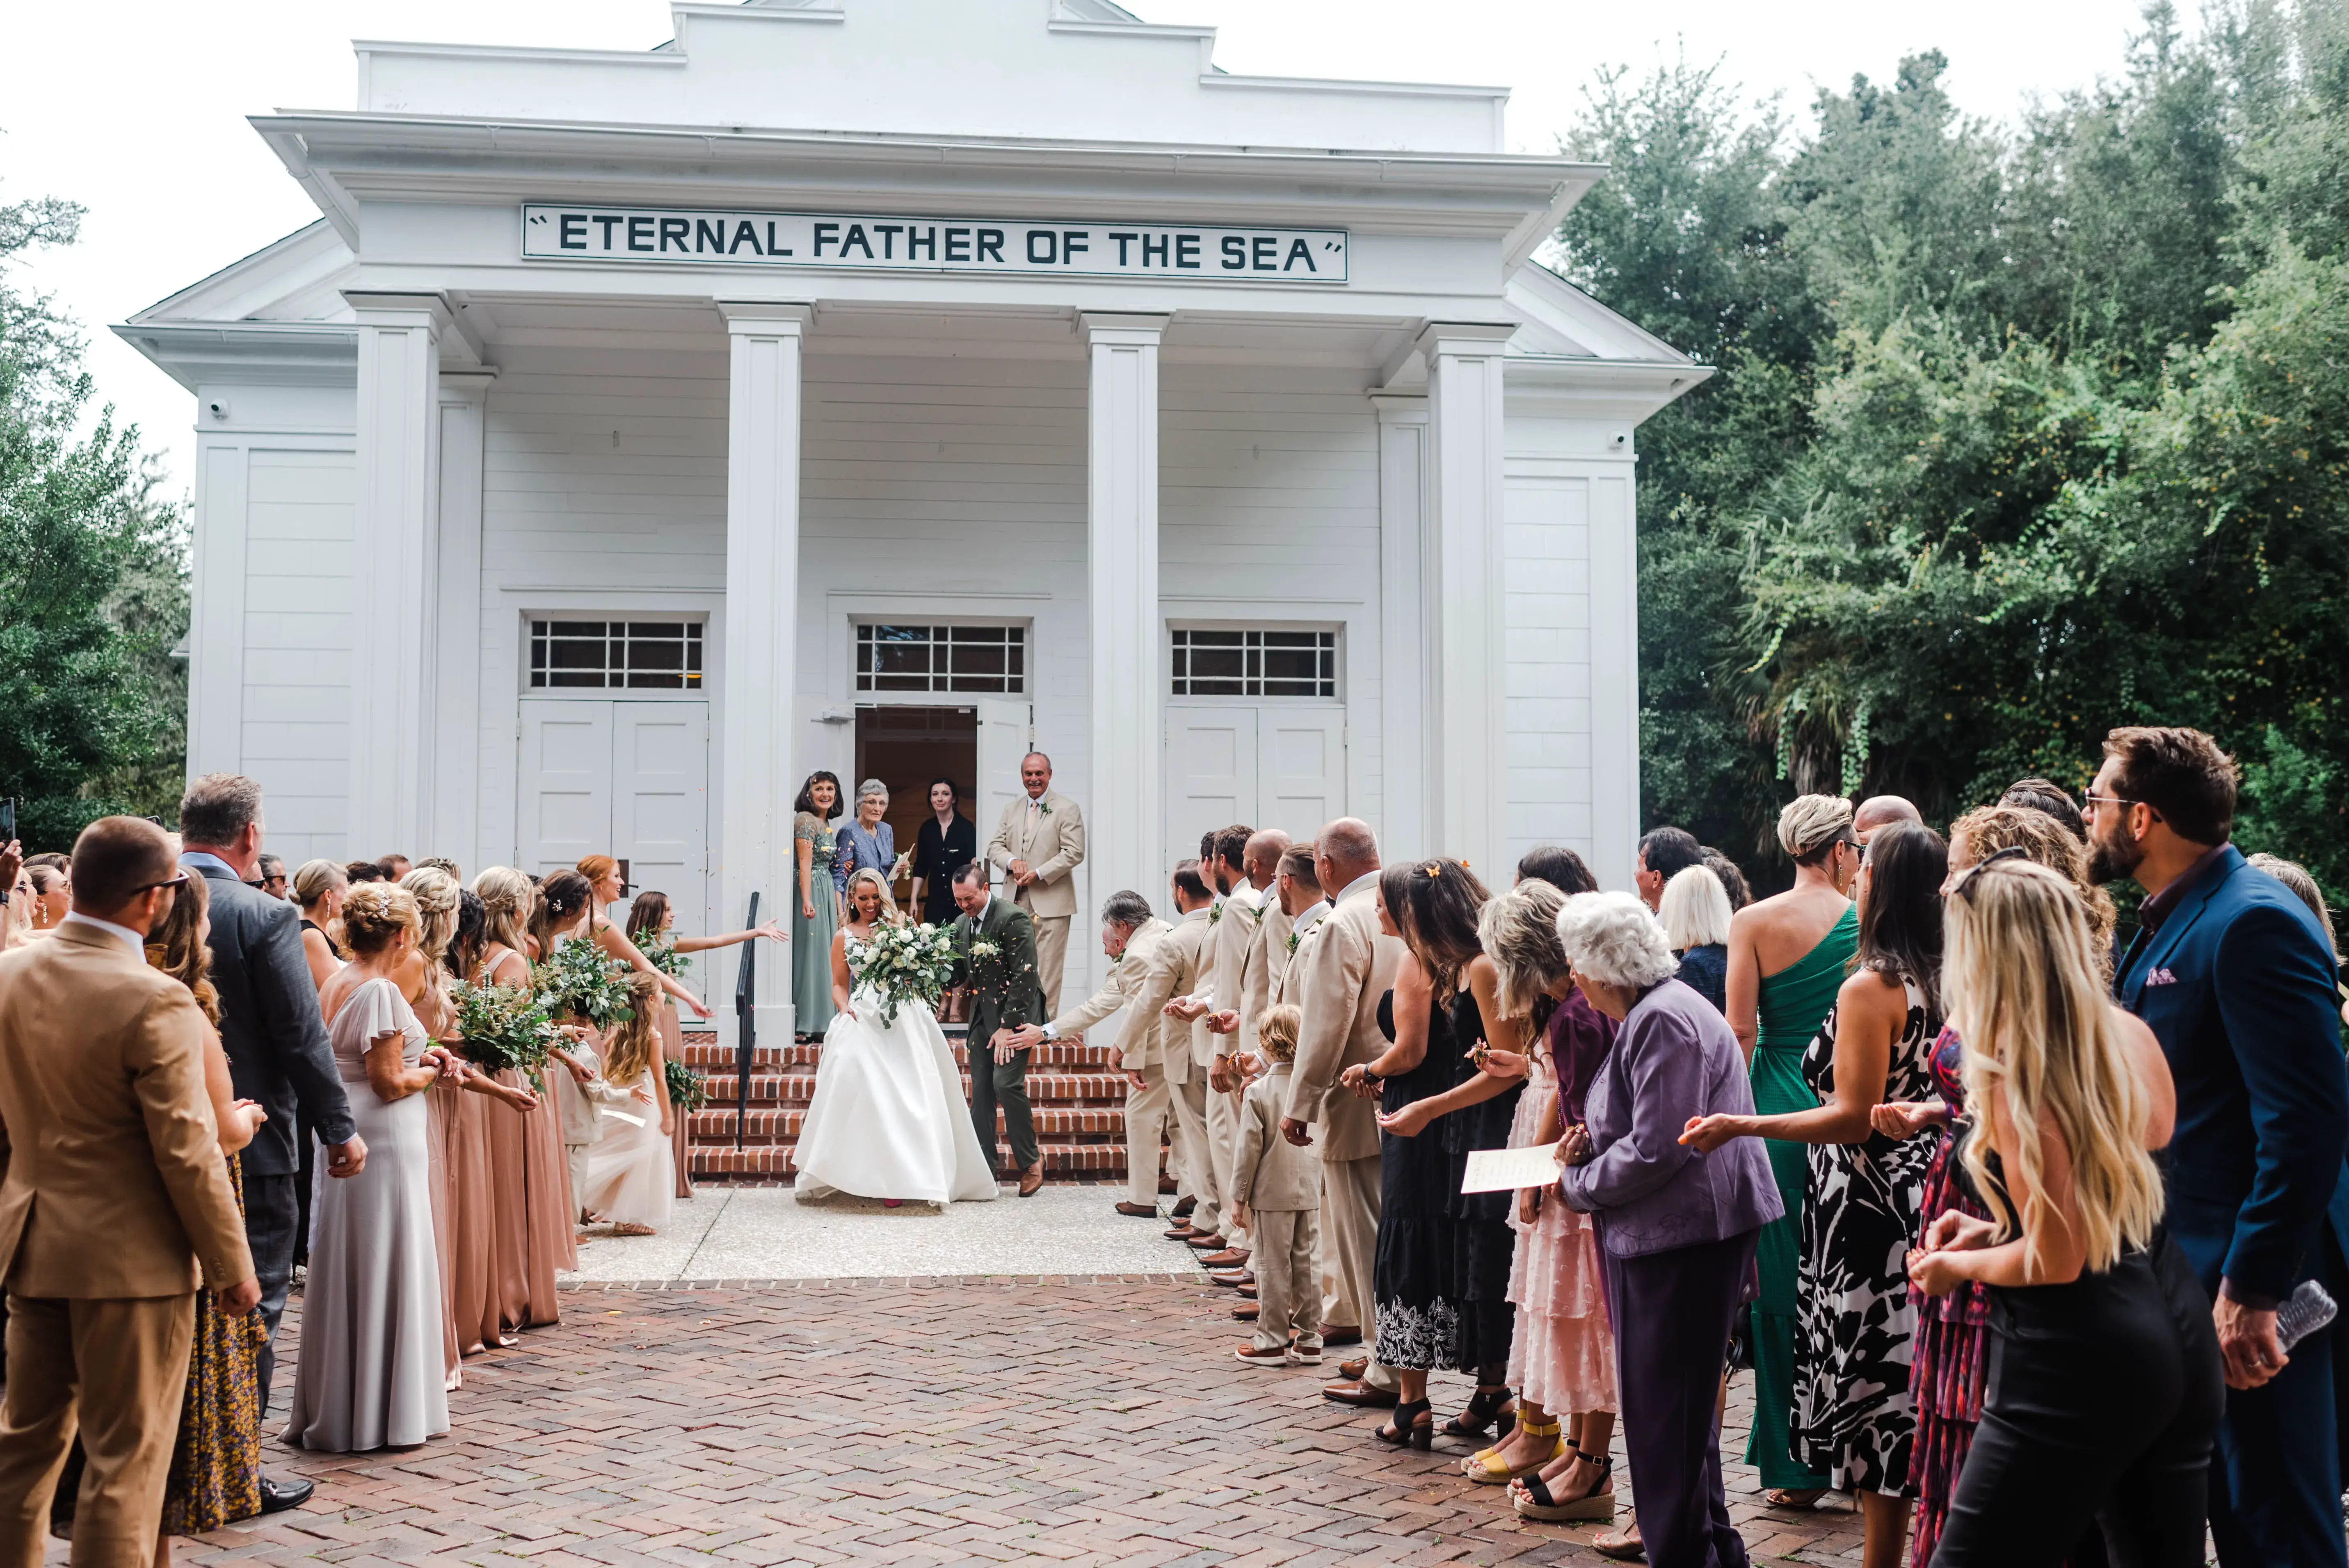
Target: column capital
(410, 311)
(1118, 326)
(767, 317)
(465, 386)
(1469, 338)
(1400, 408)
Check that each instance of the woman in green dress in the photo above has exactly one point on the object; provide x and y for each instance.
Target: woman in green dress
(816, 906)
(1787, 960)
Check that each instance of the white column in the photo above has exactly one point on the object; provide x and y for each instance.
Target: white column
(756, 720)
(394, 623)
(1126, 818)
(1403, 653)
(1467, 696)
(455, 806)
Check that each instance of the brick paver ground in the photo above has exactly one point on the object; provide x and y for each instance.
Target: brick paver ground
(911, 1422)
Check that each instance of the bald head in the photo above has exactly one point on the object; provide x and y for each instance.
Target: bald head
(1882, 811)
(1343, 853)
(1261, 858)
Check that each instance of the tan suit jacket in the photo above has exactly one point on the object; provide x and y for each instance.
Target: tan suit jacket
(1125, 979)
(1149, 1035)
(1271, 1172)
(1053, 845)
(1289, 983)
(115, 1184)
(1233, 930)
(1350, 965)
(1268, 944)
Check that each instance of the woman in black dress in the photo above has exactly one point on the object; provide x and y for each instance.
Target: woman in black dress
(1471, 1076)
(948, 841)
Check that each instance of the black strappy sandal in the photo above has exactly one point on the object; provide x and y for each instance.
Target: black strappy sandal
(1489, 1405)
(1404, 1430)
(1538, 1505)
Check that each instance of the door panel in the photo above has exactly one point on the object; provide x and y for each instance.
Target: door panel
(566, 784)
(1211, 773)
(660, 802)
(1302, 776)
(1004, 731)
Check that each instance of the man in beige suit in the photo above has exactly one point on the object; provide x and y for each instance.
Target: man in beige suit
(1267, 943)
(1039, 841)
(1348, 966)
(1151, 1038)
(1129, 937)
(116, 1208)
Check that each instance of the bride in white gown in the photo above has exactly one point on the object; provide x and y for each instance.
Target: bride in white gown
(888, 1119)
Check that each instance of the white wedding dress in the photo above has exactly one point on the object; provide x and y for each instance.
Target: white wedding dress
(888, 1119)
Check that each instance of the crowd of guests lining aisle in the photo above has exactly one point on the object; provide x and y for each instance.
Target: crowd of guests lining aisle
(231, 1072)
(1998, 1216)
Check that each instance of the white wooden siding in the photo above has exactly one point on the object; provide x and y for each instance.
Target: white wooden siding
(294, 732)
(1546, 539)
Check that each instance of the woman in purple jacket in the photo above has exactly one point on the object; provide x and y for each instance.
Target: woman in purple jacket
(1678, 1226)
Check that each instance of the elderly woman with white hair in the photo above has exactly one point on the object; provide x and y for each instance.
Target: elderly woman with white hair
(1678, 1228)
(868, 844)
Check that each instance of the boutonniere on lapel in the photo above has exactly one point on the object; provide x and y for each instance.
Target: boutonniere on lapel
(1043, 806)
(985, 950)
(1295, 938)
(1215, 914)
(1256, 914)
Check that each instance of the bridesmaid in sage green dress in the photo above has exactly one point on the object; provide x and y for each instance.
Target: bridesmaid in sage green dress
(1787, 958)
(815, 904)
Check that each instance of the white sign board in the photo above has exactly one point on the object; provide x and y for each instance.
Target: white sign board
(867, 242)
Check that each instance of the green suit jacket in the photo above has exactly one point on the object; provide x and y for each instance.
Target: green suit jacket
(1004, 989)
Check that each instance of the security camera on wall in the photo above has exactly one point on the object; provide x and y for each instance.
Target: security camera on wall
(217, 407)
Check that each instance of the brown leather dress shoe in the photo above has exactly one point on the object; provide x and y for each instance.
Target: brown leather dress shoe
(1229, 1258)
(1182, 1210)
(1167, 1187)
(1032, 1180)
(1351, 1371)
(1234, 1278)
(1248, 1293)
(1206, 1242)
(1356, 1392)
(1342, 1336)
(1245, 1312)
(1138, 1210)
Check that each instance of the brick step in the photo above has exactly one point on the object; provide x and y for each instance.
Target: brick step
(1043, 1088)
(774, 1161)
(1074, 1125)
(715, 1058)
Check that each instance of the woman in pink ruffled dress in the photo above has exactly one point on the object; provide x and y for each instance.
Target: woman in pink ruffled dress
(1562, 1361)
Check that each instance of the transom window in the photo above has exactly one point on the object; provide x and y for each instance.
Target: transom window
(898, 657)
(1253, 663)
(634, 655)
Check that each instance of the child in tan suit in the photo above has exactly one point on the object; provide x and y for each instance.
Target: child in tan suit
(1277, 1187)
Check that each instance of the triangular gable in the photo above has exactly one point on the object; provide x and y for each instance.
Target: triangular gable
(297, 278)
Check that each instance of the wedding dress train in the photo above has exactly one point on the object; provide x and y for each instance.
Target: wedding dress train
(888, 1119)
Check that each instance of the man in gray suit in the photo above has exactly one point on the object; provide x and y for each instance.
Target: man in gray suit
(275, 1040)
(995, 944)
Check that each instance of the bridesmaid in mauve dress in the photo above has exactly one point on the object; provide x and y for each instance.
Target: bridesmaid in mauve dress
(545, 1206)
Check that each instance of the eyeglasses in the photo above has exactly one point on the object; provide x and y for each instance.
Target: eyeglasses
(167, 882)
(1964, 886)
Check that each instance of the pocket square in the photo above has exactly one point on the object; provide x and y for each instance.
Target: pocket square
(2160, 977)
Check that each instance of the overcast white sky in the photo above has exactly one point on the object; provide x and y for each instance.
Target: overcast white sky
(136, 109)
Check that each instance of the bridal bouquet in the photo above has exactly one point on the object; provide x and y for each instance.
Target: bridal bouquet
(505, 1026)
(660, 951)
(905, 963)
(580, 982)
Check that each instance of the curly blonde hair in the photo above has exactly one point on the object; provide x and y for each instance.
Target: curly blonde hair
(2044, 839)
(636, 1039)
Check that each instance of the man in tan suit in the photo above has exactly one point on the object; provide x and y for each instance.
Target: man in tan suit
(1129, 937)
(1232, 925)
(1039, 841)
(1348, 965)
(1151, 1038)
(116, 1207)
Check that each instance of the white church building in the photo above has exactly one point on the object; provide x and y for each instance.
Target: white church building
(889, 386)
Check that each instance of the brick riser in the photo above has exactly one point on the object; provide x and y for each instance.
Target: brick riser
(1079, 1104)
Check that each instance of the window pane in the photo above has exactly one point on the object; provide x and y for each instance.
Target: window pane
(1251, 662)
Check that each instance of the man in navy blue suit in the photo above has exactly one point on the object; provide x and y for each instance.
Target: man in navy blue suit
(2234, 976)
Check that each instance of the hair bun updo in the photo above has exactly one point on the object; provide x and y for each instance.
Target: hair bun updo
(375, 913)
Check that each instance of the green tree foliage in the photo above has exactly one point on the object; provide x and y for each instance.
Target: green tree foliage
(92, 576)
(2020, 432)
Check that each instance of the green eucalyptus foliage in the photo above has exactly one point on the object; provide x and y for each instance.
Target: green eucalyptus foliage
(93, 578)
(2020, 432)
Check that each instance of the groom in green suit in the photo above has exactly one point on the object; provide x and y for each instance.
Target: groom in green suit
(997, 944)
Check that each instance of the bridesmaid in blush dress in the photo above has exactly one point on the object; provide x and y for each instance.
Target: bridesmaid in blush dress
(549, 1239)
(371, 1374)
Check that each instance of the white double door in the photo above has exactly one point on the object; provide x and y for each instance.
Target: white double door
(1265, 766)
(627, 779)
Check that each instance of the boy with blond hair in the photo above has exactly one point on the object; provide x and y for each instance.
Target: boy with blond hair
(1277, 1185)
